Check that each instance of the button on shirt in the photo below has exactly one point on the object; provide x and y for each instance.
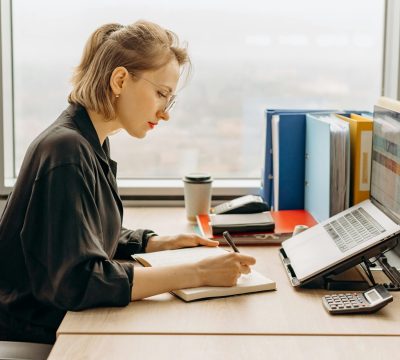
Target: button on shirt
(61, 228)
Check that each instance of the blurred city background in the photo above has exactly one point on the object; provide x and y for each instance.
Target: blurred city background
(247, 56)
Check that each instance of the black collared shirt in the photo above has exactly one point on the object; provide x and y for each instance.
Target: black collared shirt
(61, 228)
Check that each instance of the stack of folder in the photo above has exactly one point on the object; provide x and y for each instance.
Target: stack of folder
(316, 160)
(327, 165)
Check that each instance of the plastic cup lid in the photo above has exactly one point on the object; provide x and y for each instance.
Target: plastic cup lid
(197, 178)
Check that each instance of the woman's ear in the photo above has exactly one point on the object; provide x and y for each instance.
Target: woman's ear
(118, 76)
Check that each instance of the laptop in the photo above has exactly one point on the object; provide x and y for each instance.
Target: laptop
(366, 229)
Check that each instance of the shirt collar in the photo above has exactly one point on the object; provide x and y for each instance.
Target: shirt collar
(83, 122)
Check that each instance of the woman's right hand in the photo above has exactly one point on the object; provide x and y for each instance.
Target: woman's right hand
(221, 270)
(224, 270)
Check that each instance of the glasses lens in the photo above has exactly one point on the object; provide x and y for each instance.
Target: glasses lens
(171, 104)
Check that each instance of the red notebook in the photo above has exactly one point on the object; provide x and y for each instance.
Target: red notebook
(285, 222)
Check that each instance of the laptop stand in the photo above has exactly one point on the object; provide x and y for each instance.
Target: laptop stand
(333, 282)
(328, 279)
(391, 273)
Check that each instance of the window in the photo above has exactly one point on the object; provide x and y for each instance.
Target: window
(247, 56)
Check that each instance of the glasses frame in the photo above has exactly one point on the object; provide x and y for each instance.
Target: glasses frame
(170, 102)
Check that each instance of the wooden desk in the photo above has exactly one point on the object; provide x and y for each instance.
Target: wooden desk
(287, 311)
(218, 347)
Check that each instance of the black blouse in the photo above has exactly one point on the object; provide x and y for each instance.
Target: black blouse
(61, 228)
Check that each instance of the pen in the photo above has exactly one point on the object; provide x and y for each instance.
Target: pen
(229, 239)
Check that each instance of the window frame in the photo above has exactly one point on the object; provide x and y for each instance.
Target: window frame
(163, 192)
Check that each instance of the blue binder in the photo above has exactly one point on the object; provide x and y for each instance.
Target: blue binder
(291, 154)
(292, 134)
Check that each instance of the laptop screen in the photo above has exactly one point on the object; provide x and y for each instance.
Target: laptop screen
(385, 167)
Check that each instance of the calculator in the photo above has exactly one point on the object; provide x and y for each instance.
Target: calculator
(357, 302)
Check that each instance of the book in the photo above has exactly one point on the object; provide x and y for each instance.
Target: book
(242, 222)
(249, 283)
(285, 222)
(360, 156)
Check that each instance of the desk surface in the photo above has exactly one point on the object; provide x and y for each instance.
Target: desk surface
(287, 311)
(218, 347)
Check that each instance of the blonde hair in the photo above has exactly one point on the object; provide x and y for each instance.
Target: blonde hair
(138, 47)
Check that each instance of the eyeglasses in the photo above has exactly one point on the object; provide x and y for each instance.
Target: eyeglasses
(170, 102)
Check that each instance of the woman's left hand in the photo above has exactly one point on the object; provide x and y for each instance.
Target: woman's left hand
(158, 243)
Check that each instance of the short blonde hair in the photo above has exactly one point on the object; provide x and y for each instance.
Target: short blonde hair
(138, 47)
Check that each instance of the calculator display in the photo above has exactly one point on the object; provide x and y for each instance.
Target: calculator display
(372, 296)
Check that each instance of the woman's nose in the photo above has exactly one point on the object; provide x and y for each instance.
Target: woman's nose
(163, 115)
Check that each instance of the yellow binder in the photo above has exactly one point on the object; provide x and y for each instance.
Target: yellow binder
(360, 156)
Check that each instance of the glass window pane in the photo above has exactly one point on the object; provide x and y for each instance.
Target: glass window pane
(247, 56)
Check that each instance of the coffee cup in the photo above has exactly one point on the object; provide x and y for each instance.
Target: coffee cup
(197, 192)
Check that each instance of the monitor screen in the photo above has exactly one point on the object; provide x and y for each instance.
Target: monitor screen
(385, 167)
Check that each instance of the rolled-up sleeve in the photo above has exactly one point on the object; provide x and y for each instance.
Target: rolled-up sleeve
(63, 245)
(131, 242)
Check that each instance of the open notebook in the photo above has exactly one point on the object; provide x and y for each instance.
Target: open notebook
(253, 282)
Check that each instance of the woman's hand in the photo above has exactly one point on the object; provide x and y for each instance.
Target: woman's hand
(158, 243)
(223, 270)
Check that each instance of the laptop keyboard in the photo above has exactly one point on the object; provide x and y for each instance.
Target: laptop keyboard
(352, 229)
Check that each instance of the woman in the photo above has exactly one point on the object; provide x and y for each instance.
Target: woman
(61, 228)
